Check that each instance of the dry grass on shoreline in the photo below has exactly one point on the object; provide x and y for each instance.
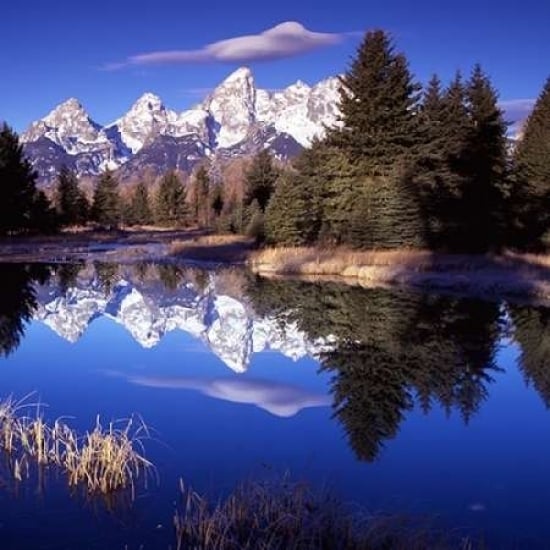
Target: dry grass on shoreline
(104, 460)
(522, 276)
(347, 262)
(213, 248)
(333, 261)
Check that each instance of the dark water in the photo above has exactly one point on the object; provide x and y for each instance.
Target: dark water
(426, 406)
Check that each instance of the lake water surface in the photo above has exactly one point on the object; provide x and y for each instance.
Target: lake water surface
(421, 405)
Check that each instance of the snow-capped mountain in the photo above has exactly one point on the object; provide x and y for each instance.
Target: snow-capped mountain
(70, 126)
(229, 122)
(233, 107)
(225, 324)
(82, 144)
(148, 118)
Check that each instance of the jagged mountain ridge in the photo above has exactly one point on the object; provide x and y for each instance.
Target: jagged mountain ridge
(226, 325)
(236, 119)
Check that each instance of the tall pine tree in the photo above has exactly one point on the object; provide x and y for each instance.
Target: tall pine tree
(532, 174)
(430, 169)
(71, 202)
(202, 193)
(140, 207)
(483, 206)
(368, 200)
(106, 201)
(290, 215)
(171, 208)
(441, 170)
(17, 184)
(260, 179)
(378, 105)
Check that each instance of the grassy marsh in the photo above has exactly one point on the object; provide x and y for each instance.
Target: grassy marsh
(104, 460)
(526, 276)
(285, 515)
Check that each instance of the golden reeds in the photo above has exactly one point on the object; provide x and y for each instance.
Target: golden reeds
(213, 248)
(335, 261)
(285, 515)
(280, 515)
(104, 460)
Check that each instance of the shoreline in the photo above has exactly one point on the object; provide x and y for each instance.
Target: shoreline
(121, 246)
(510, 274)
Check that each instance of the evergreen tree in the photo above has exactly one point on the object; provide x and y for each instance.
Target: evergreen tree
(171, 208)
(202, 192)
(140, 208)
(290, 216)
(106, 273)
(483, 223)
(385, 214)
(260, 180)
(106, 202)
(67, 276)
(340, 192)
(17, 184)
(532, 173)
(369, 195)
(430, 169)
(461, 174)
(441, 171)
(313, 182)
(71, 201)
(532, 333)
(378, 105)
(44, 218)
(17, 301)
(255, 223)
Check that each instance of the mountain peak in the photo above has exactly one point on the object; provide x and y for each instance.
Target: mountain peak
(71, 104)
(299, 88)
(232, 105)
(300, 84)
(235, 119)
(149, 102)
(69, 126)
(242, 73)
(69, 107)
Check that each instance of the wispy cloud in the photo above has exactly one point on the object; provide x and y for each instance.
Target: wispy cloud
(516, 112)
(287, 39)
(517, 109)
(281, 400)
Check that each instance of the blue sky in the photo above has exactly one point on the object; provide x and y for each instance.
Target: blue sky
(54, 50)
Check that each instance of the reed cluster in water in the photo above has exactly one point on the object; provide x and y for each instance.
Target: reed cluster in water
(104, 460)
(285, 515)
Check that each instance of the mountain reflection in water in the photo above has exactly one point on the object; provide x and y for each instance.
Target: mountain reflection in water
(385, 350)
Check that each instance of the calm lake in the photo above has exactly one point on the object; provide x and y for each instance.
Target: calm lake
(427, 406)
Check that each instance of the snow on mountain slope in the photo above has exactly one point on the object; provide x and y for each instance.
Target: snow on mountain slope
(302, 111)
(232, 106)
(69, 126)
(299, 110)
(235, 112)
(149, 118)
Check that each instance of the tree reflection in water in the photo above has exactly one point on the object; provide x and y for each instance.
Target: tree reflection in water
(17, 301)
(392, 349)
